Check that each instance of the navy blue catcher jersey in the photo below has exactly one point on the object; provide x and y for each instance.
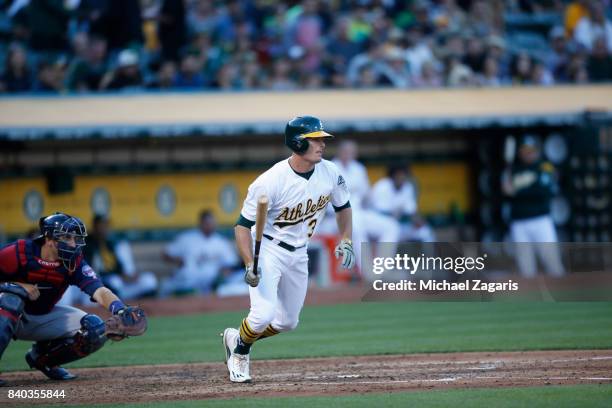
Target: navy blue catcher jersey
(21, 262)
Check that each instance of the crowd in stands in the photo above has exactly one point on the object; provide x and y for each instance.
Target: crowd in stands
(71, 46)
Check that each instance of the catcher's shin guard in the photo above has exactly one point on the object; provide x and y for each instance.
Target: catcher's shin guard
(12, 302)
(45, 355)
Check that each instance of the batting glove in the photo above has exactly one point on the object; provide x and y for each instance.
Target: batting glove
(345, 250)
(250, 277)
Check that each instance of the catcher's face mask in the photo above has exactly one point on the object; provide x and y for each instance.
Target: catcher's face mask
(70, 237)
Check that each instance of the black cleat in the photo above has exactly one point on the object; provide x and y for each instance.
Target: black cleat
(53, 373)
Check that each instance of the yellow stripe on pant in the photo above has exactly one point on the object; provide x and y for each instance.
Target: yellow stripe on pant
(247, 334)
(269, 332)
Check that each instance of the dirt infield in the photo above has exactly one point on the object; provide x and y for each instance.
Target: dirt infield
(323, 376)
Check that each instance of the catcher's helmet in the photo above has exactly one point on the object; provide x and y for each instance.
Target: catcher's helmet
(69, 232)
(302, 128)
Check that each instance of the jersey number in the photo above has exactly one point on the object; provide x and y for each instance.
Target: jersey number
(311, 227)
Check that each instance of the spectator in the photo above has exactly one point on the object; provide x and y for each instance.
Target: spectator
(530, 185)
(448, 16)
(126, 75)
(359, 28)
(418, 50)
(368, 78)
(312, 81)
(485, 17)
(281, 76)
(150, 25)
(231, 17)
(453, 44)
(556, 59)
(540, 75)
(422, 22)
(574, 12)
(308, 44)
(576, 68)
(458, 74)
(17, 76)
(307, 33)
(203, 257)
(165, 78)
(599, 64)
(394, 69)
(595, 25)
(202, 17)
(396, 196)
(114, 262)
(522, 69)
(365, 68)
(340, 45)
(80, 45)
(50, 76)
(250, 75)
(189, 75)
(228, 77)
(210, 57)
(85, 74)
(429, 78)
(475, 55)
(496, 48)
(490, 76)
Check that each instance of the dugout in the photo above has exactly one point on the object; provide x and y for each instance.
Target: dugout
(152, 161)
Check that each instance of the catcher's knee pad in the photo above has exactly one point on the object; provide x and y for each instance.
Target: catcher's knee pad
(88, 339)
(12, 302)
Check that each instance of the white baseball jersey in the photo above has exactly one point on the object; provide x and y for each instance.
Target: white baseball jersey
(202, 256)
(387, 199)
(357, 180)
(296, 205)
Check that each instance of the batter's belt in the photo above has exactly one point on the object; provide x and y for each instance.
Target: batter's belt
(282, 244)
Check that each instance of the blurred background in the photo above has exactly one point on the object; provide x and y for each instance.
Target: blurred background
(149, 119)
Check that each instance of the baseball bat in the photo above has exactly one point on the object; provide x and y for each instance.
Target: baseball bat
(260, 221)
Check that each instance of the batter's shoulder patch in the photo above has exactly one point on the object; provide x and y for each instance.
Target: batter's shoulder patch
(341, 180)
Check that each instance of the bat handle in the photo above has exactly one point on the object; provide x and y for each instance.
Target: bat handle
(256, 256)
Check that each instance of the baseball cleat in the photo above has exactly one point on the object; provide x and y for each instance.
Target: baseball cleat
(53, 373)
(237, 364)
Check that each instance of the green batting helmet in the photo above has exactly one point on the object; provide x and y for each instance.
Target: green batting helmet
(302, 128)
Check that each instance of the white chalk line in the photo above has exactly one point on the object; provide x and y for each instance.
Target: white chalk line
(449, 379)
(452, 379)
(568, 360)
(491, 362)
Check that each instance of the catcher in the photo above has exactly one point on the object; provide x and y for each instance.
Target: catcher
(33, 277)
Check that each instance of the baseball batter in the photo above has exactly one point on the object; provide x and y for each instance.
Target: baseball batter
(298, 189)
(34, 274)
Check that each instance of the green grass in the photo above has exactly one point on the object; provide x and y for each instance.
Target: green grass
(366, 328)
(533, 397)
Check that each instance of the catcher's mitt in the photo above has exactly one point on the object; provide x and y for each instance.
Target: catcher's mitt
(129, 321)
